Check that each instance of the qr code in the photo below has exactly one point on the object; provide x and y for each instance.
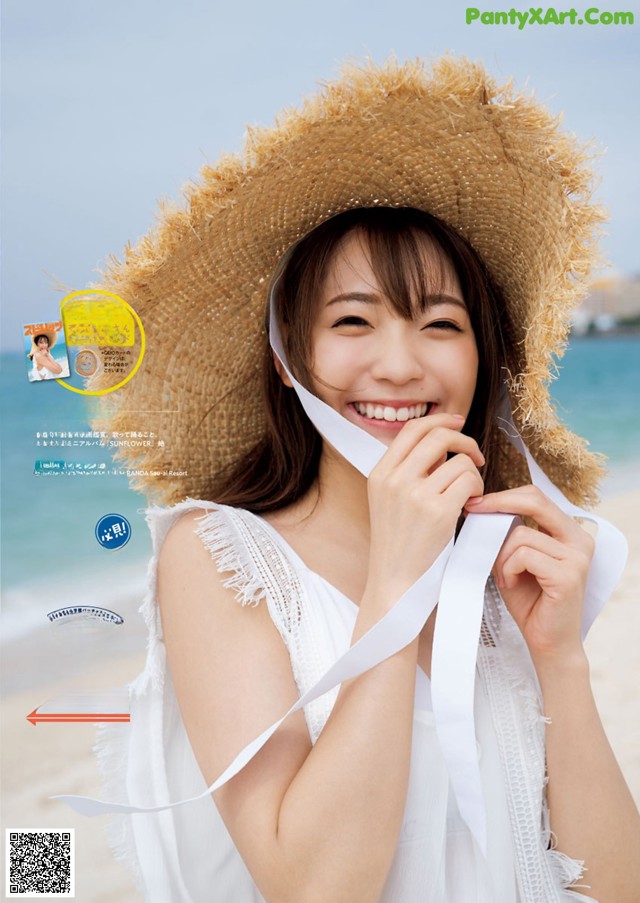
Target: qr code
(40, 864)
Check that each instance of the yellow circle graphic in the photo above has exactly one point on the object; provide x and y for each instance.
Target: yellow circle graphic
(119, 301)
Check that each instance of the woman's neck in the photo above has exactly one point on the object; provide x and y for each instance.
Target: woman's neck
(336, 505)
(342, 493)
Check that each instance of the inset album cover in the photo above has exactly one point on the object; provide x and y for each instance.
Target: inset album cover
(46, 351)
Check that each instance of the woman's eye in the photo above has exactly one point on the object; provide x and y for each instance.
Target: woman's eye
(443, 324)
(350, 321)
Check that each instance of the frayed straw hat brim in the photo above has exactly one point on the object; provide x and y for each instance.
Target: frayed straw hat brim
(492, 163)
(51, 334)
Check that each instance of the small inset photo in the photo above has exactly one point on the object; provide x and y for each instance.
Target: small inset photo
(46, 351)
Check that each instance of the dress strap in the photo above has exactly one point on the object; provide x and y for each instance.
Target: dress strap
(257, 568)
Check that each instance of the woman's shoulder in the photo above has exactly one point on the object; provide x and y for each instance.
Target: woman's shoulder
(184, 563)
(180, 527)
(198, 540)
(181, 520)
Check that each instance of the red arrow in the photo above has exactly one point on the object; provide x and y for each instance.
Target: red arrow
(114, 717)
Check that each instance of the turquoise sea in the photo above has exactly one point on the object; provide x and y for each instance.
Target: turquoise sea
(50, 555)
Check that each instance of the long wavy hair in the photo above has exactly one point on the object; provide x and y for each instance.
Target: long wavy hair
(283, 466)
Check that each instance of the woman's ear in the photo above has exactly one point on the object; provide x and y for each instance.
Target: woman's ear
(282, 373)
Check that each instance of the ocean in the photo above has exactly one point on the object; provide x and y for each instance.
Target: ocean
(51, 557)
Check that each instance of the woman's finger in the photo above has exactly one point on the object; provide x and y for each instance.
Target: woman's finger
(572, 559)
(432, 452)
(465, 485)
(527, 536)
(443, 427)
(442, 478)
(547, 570)
(531, 502)
(414, 430)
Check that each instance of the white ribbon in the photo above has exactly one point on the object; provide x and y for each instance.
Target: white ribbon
(456, 582)
(459, 617)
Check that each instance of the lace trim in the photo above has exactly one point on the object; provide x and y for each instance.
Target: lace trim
(258, 569)
(544, 874)
(231, 549)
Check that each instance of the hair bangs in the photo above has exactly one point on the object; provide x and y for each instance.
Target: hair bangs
(411, 268)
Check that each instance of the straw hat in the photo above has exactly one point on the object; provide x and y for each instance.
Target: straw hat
(51, 334)
(448, 140)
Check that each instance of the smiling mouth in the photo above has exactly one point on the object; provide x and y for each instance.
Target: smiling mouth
(389, 414)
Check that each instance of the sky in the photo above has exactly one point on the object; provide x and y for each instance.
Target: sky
(108, 107)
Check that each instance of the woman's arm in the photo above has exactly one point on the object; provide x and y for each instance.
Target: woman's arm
(542, 577)
(315, 823)
(311, 823)
(46, 360)
(592, 812)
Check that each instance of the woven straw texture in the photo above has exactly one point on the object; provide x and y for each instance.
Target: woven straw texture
(446, 139)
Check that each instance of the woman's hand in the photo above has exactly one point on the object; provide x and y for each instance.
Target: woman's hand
(542, 573)
(416, 494)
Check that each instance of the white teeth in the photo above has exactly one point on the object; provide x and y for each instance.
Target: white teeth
(386, 412)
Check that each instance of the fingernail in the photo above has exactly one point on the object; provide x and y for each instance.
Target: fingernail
(474, 501)
(458, 416)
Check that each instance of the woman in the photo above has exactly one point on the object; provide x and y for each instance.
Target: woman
(44, 365)
(401, 330)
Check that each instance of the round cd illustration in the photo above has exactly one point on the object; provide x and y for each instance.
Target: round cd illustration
(86, 362)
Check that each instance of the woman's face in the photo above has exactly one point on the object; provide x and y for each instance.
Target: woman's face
(378, 369)
(43, 343)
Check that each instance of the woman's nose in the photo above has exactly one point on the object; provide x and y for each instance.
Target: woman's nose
(397, 358)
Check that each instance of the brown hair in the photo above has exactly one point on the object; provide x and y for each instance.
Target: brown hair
(35, 341)
(283, 465)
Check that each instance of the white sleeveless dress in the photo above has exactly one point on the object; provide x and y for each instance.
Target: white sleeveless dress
(185, 854)
(38, 374)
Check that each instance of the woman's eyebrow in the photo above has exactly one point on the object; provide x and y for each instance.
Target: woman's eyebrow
(364, 297)
(442, 298)
(372, 298)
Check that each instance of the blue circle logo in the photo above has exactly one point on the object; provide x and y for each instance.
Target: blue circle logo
(113, 531)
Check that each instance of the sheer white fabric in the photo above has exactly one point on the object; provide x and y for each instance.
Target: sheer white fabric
(185, 855)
